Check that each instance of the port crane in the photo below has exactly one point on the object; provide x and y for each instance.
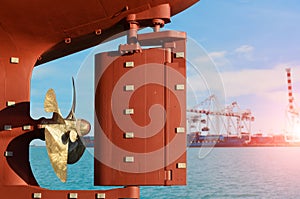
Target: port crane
(207, 118)
(292, 133)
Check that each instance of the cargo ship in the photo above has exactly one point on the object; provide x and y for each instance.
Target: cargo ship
(245, 140)
(198, 140)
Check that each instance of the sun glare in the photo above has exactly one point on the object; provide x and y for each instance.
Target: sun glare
(294, 132)
(297, 131)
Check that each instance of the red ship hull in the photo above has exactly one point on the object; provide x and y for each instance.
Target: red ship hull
(35, 32)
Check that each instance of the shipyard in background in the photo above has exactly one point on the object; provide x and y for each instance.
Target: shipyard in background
(211, 126)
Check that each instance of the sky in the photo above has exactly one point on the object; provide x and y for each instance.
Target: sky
(239, 46)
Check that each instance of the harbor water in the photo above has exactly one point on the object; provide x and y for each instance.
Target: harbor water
(259, 172)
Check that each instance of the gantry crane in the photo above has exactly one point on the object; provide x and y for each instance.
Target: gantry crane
(205, 118)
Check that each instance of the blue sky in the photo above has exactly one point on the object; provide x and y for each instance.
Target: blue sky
(250, 42)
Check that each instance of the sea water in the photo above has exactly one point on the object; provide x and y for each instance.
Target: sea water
(270, 172)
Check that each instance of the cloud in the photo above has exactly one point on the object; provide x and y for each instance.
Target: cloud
(217, 54)
(223, 59)
(245, 51)
(256, 81)
(216, 58)
(205, 75)
(262, 89)
(244, 82)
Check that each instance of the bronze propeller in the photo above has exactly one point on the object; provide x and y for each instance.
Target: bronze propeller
(62, 135)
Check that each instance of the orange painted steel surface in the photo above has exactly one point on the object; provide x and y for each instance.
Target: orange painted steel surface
(154, 153)
(28, 192)
(35, 32)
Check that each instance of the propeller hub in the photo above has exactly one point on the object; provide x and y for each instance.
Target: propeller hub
(83, 127)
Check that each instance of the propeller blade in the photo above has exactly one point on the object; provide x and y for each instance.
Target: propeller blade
(57, 150)
(50, 103)
(71, 115)
(58, 119)
(51, 106)
(76, 150)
